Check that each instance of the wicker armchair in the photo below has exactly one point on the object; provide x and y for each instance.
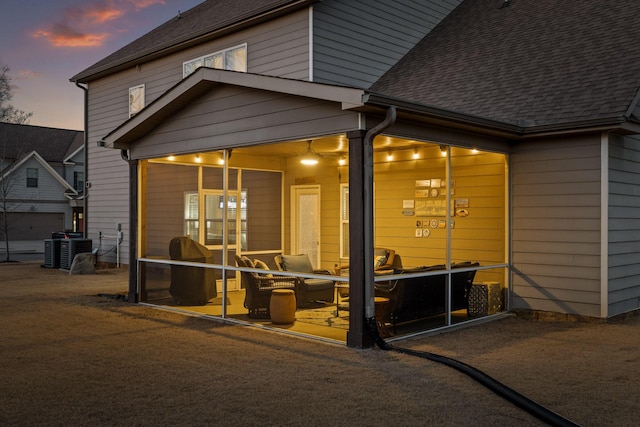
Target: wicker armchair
(258, 288)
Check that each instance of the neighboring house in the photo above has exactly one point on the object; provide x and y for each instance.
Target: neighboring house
(41, 182)
(504, 133)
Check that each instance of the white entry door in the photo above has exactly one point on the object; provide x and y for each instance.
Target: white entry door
(305, 222)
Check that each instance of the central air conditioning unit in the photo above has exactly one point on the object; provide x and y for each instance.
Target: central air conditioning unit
(69, 248)
(52, 253)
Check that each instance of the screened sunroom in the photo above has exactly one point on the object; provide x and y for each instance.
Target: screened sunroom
(244, 187)
(440, 210)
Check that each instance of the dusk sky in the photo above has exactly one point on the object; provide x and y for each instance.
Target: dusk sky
(46, 42)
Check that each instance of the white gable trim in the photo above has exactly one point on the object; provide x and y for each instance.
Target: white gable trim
(70, 156)
(37, 157)
(204, 78)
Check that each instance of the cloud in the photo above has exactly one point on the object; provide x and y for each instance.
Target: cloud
(143, 4)
(91, 24)
(96, 15)
(60, 35)
(28, 75)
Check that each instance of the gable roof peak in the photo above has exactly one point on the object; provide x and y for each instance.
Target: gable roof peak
(52, 144)
(207, 20)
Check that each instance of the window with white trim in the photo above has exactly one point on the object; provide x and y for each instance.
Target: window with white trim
(32, 177)
(233, 58)
(136, 99)
(344, 221)
(191, 214)
(78, 181)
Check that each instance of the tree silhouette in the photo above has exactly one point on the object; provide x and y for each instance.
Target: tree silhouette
(8, 114)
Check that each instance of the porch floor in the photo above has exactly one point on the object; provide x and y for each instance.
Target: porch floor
(319, 320)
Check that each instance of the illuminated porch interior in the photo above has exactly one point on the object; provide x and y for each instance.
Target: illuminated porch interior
(419, 188)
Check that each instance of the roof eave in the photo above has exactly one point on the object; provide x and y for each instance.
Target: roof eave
(359, 100)
(67, 159)
(202, 80)
(616, 124)
(45, 165)
(444, 116)
(191, 40)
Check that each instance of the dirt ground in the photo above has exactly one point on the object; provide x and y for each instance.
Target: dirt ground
(71, 357)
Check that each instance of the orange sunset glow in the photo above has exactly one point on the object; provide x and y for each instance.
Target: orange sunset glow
(47, 45)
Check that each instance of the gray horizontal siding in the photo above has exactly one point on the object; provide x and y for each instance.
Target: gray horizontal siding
(354, 43)
(33, 210)
(232, 117)
(281, 47)
(556, 225)
(48, 189)
(108, 196)
(555, 303)
(624, 225)
(278, 47)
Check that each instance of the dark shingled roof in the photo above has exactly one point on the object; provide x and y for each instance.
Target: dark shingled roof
(53, 145)
(204, 19)
(533, 63)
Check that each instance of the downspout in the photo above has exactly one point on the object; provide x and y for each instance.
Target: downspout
(369, 306)
(85, 205)
(133, 295)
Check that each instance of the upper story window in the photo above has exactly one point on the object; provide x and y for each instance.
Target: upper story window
(32, 177)
(136, 99)
(78, 181)
(233, 58)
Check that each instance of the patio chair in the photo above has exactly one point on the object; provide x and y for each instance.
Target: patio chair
(258, 287)
(308, 290)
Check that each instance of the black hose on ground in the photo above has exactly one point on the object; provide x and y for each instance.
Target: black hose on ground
(492, 384)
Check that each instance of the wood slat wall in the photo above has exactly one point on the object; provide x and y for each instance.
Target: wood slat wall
(165, 197)
(480, 178)
(328, 175)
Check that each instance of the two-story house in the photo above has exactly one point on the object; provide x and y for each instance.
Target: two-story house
(496, 137)
(41, 184)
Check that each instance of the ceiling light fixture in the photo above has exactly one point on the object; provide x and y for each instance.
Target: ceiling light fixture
(309, 157)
